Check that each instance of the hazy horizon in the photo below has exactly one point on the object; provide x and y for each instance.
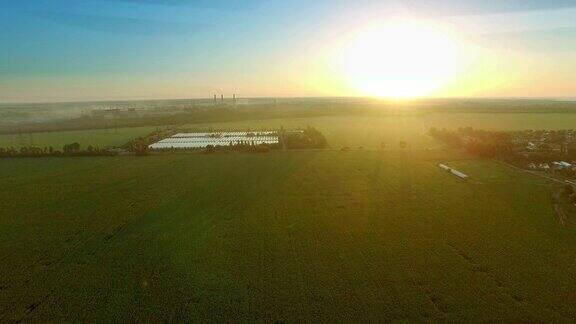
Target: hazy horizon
(567, 99)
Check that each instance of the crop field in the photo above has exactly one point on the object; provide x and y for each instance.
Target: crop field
(102, 138)
(352, 131)
(371, 131)
(285, 236)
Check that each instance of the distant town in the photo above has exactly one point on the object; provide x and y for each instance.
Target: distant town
(552, 151)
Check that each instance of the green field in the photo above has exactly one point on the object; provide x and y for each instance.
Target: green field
(371, 235)
(98, 137)
(352, 131)
(370, 131)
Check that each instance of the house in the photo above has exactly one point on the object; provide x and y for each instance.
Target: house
(560, 165)
(544, 166)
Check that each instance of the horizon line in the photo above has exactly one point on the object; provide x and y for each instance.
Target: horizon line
(551, 98)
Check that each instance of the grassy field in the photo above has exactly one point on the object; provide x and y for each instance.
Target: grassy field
(371, 131)
(363, 235)
(353, 131)
(280, 237)
(97, 137)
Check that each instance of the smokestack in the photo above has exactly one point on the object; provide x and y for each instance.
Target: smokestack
(214, 99)
(222, 97)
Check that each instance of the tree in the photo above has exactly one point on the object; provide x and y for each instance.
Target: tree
(71, 148)
(141, 149)
(309, 138)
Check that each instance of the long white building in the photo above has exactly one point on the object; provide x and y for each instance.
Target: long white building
(454, 172)
(203, 140)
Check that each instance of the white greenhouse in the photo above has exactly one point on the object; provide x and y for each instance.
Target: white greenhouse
(203, 140)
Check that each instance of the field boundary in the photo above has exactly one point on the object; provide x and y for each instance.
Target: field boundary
(530, 172)
(561, 216)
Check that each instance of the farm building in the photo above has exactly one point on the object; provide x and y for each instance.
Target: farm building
(454, 172)
(444, 167)
(561, 165)
(202, 140)
(544, 166)
(531, 146)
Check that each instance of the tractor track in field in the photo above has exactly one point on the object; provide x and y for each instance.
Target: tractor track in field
(561, 216)
(502, 287)
(560, 212)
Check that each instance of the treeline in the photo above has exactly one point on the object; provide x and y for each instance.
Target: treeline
(73, 149)
(246, 146)
(478, 142)
(309, 138)
(511, 146)
(139, 145)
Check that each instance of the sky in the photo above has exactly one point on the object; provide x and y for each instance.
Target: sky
(84, 50)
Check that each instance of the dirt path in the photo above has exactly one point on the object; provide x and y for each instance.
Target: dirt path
(560, 213)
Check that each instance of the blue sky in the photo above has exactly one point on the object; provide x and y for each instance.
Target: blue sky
(100, 49)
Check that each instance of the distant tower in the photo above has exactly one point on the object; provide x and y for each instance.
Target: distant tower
(214, 100)
(222, 97)
(234, 100)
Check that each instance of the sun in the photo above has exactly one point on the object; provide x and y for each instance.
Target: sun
(400, 60)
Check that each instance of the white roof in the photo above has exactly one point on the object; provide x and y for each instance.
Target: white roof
(202, 140)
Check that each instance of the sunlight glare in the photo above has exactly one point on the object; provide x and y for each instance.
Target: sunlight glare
(400, 60)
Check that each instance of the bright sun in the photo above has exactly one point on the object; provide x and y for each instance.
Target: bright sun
(400, 60)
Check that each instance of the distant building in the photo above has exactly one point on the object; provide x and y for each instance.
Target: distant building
(560, 165)
(544, 166)
(454, 172)
(444, 167)
(186, 141)
(111, 113)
